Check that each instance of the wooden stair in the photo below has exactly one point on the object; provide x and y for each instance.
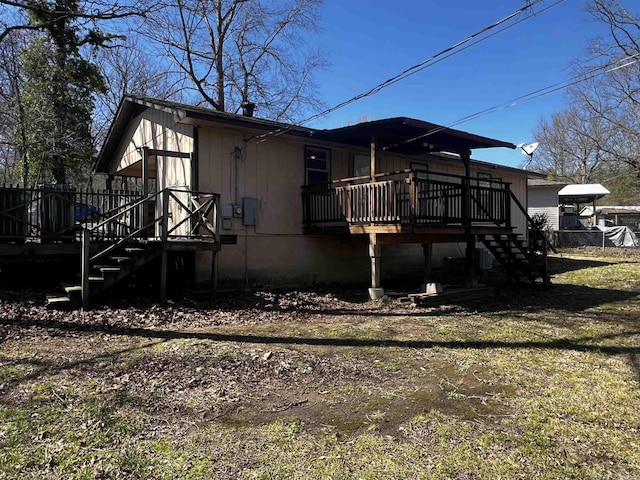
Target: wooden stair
(522, 263)
(108, 272)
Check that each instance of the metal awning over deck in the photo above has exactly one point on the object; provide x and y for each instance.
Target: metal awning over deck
(409, 136)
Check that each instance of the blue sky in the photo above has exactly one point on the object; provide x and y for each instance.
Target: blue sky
(370, 41)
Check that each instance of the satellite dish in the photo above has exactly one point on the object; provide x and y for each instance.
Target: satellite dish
(528, 151)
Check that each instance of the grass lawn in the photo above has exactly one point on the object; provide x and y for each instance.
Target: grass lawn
(531, 383)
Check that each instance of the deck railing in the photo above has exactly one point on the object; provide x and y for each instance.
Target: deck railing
(408, 198)
(50, 214)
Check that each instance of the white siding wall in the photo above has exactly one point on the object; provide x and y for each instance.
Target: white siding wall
(544, 200)
(152, 129)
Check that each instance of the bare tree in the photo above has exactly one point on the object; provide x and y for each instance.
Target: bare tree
(614, 98)
(236, 52)
(131, 68)
(12, 112)
(570, 146)
(87, 15)
(597, 137)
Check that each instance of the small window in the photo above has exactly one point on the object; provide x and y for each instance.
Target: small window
(421, 169)
(317, 163)
(488, 180)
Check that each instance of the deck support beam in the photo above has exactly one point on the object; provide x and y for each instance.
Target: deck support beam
(375, 255)
(145, 183)
(164, 261)
(470, 262)
(164, 258)
(470, 252)
(84, 267)
(427, 248)
(214, 271)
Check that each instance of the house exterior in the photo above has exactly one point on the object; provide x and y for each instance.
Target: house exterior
(298, 205)
(543, 200)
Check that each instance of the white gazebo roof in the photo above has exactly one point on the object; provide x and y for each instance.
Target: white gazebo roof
(582, 193)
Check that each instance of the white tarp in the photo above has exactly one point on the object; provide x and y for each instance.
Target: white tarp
(620, 236)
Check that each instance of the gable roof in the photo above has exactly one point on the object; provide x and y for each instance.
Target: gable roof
(401, 134)
(582, 193)
(543, 182)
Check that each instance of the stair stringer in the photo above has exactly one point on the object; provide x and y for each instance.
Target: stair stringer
(106, 273)
(520, 261)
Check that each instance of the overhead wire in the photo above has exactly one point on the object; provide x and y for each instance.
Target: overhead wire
(458, 47)
(448, 52)
(581, 77)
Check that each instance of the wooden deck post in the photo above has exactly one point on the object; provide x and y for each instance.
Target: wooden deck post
(427, 248)
(214, 270)
(466, 189)
(375, 255)
(470, 252)
(164, 259)
(413, 197)
(85, 268)
(145, 185)
(470, 262)
(373, 160)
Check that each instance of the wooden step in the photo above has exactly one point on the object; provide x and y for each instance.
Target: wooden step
(58, 302)
(73, 288)
(107, 268)
(135, 250)
(120, 259)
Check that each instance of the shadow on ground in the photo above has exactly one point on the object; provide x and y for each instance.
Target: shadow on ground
(558, 265)
(582, 344)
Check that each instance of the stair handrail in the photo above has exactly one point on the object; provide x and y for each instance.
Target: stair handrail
(538, 233)
(86, 241)
(197, 211)
(127, 207)
(530, 223)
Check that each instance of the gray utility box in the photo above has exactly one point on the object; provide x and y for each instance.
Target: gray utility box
(250, 211)
(485, 259)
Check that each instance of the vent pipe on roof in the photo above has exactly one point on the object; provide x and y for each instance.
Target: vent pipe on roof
(248, 108)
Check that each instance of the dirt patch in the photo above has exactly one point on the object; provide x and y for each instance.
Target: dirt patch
(160, 362)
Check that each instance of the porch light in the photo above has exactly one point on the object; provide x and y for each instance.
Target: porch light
(428, 145)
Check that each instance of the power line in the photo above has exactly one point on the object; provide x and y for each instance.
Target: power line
(582, 77)
(460, 46)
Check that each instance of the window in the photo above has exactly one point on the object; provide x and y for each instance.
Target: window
(488, 180)
(362, 167)
(317, 163)
(421, 169)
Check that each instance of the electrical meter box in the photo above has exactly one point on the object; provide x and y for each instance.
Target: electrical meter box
(250, 210)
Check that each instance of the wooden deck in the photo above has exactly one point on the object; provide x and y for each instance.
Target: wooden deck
(426, 208)
(409, 202)
(48, 219)
(101, 227)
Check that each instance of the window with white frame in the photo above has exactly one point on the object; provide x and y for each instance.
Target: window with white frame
(317, 165)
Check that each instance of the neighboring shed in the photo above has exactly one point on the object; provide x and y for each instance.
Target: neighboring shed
(543, 200)
(619, 215)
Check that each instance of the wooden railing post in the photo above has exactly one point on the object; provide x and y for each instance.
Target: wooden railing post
(216, 248)
(85, 255)
(507, 204)
(305, 206)
(164, 254)
(413, 198)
